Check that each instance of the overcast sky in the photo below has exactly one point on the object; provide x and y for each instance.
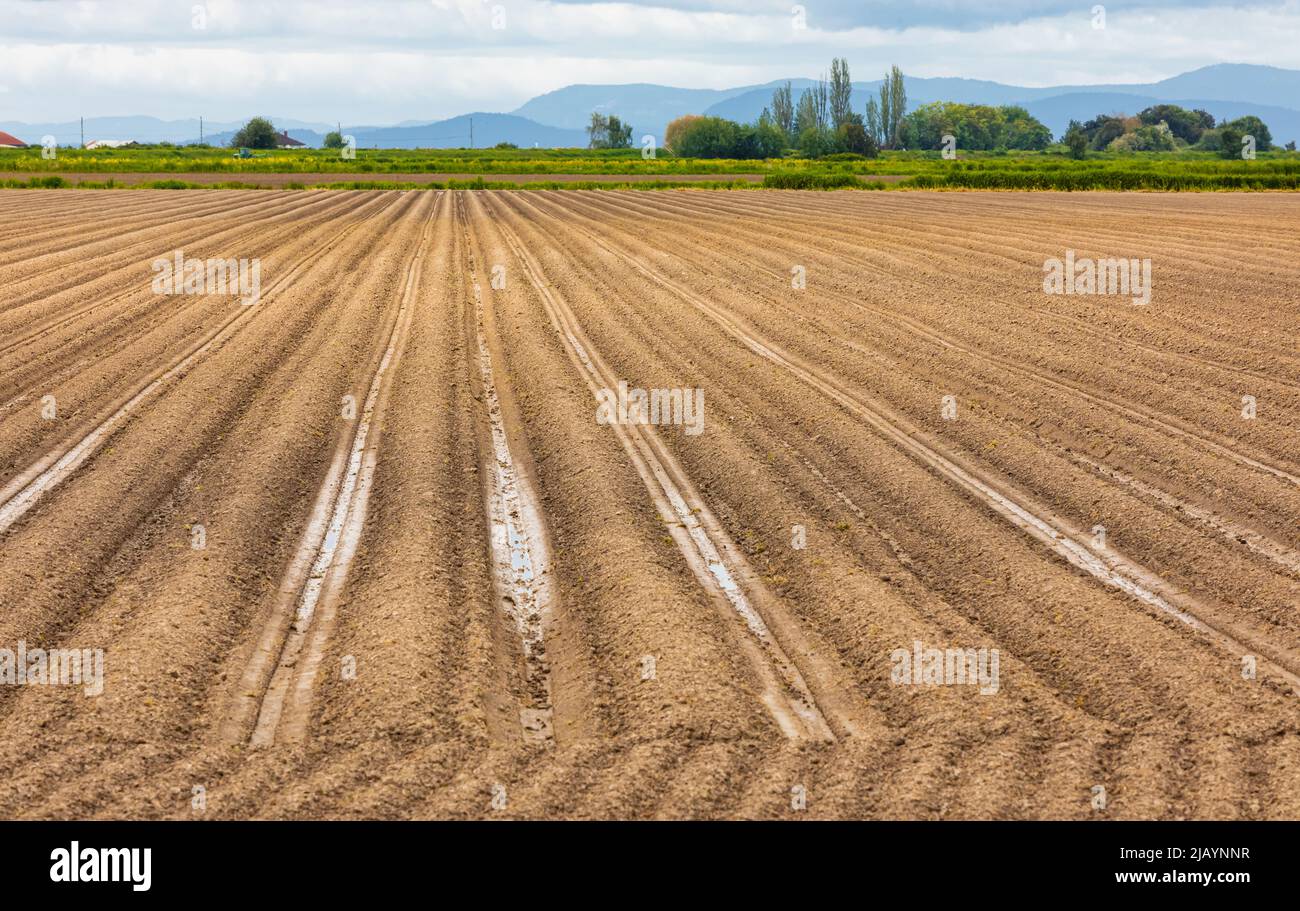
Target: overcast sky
(385, 61)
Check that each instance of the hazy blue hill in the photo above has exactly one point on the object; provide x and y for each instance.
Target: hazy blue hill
(647, 107)
(489, 129)
(1230, 82)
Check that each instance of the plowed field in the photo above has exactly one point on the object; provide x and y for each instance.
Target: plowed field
(387, 542)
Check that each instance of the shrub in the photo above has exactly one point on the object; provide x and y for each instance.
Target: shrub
(1076, 140)
(1105, 178)
(802, 180)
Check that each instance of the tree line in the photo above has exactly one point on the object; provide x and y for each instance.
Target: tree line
(1167, 128)
(823, 121)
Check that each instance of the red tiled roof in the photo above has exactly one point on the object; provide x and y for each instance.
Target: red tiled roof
(7, 140)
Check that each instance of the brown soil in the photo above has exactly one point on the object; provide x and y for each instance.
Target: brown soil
(435, 585)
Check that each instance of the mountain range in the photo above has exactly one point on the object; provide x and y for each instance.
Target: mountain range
(557, 119)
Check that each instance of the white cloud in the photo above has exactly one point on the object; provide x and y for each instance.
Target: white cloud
(403, 59)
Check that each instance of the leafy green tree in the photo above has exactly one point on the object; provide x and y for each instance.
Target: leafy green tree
(1250, 125)
(674, 132)
(704, 137)
(762, 140)
(1103, 130)
(597, 131)
(783, 109)
(852, 136)
(822, 99)
(1184, 124)
(620, 134)
(878, 113)
(716, 137)
(976, 127)
(1230, 142)
(815, 142)
(897, 104)
(885, 114)
(841, 92)
(608, 132)
(1021, 130)
(1076, 139)
(813, 107)
(333, 140)
(805, 114)
(258, 133)
(871, 121)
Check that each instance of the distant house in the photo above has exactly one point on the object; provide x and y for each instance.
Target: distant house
(10, 142)
(284, 141)
(111, 143)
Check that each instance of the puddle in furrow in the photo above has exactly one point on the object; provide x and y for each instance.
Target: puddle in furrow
(795, 696)
(518, 555)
